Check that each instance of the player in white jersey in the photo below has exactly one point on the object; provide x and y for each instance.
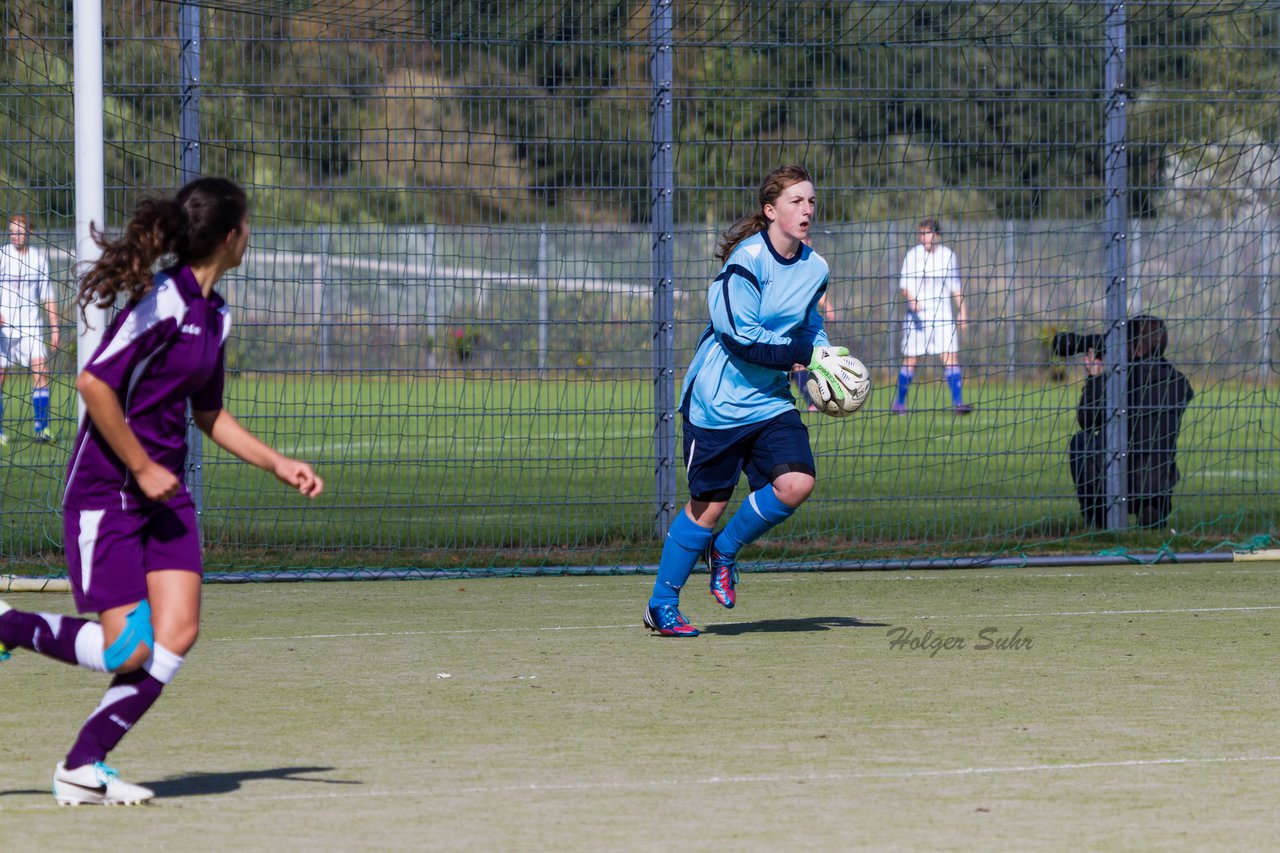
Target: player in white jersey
(930, 279)
(24, 289)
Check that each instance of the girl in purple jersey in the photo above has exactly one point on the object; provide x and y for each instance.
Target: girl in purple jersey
(130, 534)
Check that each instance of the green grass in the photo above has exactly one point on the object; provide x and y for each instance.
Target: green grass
(432, 471)
(1142, 716)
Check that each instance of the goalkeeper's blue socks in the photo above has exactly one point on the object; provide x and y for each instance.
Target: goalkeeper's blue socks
(40, 403)
(952, 375)
(758, 513)
(686, 540)
(905, 375)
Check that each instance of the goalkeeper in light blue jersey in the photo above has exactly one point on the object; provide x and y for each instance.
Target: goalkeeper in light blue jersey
(739, 415)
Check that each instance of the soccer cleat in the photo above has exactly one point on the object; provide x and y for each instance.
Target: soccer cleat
(45, 435)
(724, 576)
(898, 408)
(964, 409)
(96, 785)
(668, 621)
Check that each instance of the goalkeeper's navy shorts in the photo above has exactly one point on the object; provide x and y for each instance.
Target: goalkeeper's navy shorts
(714, 459)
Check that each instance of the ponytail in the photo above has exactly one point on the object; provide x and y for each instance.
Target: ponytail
(773, 185)
(745, 227)
(191, 226)
(125, 264)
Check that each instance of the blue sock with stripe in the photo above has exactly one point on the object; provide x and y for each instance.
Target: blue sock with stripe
(40, 403)
(686, 540)
(758, 513)
(953, 379)
(905, 375)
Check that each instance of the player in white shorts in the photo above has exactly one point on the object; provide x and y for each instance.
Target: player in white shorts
(24, 289)
(930, 279)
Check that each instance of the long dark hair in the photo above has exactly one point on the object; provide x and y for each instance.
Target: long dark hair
(774, 183)
(191, 226)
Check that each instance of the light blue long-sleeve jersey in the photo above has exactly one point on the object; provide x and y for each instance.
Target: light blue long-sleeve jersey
(764, 319)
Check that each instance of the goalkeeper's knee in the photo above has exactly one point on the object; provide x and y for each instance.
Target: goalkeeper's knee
(137, 633)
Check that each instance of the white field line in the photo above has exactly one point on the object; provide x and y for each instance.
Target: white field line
(782, 778)
(1096, 612)
(635, 625)
(876, 576)
(1233, 473)
(443, 794)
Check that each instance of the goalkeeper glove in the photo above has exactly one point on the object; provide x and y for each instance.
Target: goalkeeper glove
(838, 383)
(825, 363)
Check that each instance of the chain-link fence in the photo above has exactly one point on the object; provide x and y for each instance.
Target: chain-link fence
(483, 234)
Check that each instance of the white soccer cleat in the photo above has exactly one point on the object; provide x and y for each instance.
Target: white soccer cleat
(96, 785)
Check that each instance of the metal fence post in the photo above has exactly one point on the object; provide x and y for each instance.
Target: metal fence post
(432, 309)
(1011, 298)
(189, 134)
(892, 344)
(662, 187)
(90, 155)
(319, 273)
(543, 311)
(1117, 221)
(1135, 266)
(1264, 304)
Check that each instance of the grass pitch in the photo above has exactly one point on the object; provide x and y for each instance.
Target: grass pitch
(494, 472)
(1129, 708)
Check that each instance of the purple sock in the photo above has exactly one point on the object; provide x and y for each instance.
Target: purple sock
(58, 637)
(130, 696)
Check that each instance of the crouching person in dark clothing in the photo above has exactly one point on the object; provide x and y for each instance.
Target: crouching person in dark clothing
(1158, 395)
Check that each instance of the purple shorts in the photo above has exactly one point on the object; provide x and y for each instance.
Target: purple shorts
(110, 551)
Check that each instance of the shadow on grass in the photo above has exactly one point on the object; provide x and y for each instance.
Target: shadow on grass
(786, 626)
(204, 784)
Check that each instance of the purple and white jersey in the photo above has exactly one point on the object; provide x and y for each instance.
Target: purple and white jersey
(159, 351)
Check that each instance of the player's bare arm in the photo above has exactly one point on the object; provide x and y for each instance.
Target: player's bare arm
(828, 311)
(912, 305)
(51, 308)
(228, 433)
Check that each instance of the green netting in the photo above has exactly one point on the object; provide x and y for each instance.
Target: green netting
(456, 302)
